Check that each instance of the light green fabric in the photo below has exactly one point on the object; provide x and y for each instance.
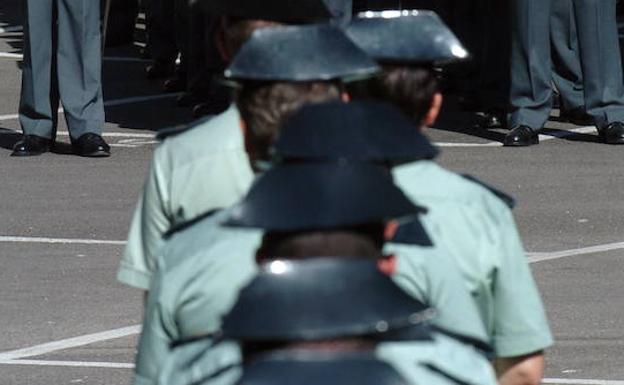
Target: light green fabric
(440, 361)
(200, 271)
(201, 169)
(443, 360)
(202, 268)
(479, 231)
(430, 275)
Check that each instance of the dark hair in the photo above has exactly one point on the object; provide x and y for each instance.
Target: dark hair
(235, 32)
(362, 241)
(410, 88)
(265, 105)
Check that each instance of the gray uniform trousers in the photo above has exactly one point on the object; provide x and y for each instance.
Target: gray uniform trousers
(531, 64)
(567, 72)
(62, 58)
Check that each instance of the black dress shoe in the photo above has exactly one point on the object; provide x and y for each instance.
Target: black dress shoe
(159, 70)
(494, 118)
(613, 133)
(174, 84)
(31, 145)
(577, 116)
(187, 99)
(91, 145)
(521, 136)
(209, 108)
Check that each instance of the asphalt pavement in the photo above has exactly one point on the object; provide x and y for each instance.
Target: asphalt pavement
(63, 220)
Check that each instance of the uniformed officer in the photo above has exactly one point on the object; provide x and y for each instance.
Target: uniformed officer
(469, 219)
(62, 60)
(531, 68)
(303, 315)
(275, 84)
(203, 166)
(313, 212)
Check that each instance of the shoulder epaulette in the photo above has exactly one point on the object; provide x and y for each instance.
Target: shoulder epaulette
(506, 198)
(412, 232)
(176, 130)
(184, 225)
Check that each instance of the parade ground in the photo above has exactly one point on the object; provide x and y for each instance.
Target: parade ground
(64, 319)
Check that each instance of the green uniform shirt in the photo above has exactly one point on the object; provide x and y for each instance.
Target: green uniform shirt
(202, 267)
(201, 169)
(440, 361)
(478, 229)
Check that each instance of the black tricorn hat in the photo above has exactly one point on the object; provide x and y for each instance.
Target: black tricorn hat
(321, 195)
(416, 37)
(360, 130)
(287, 11)
(319, 299)
(314, 368)
(298, 54)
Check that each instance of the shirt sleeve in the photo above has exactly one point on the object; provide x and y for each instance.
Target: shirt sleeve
(149, 223)
(433, 278)
(520, 324)
(156, 335)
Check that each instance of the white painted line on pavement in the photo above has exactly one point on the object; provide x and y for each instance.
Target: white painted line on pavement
(113, 103)
(540, 257)
(81, 364)
(68, 343)
(450, 144)
(580, 381)
(19, 56)
(4, 238)
(9, 55)
(9, 117)
(543, 138)
(10, 29)
(135, 135)
(139, 99)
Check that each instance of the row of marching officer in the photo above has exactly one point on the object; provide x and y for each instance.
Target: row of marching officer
(306, 234)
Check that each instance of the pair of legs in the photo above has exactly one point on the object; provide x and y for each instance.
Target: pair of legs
(62, 62)
(586, 53)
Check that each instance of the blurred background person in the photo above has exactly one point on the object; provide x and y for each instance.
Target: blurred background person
(598, 54)
(62, 61)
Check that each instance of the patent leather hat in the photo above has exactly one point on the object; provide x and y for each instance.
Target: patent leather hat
(298, 54)
(314, 368)
(321, 195)
(360, 130)
(287, 11)
(399, 36)
(320, 299)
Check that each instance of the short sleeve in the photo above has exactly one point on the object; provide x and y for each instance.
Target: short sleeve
(520, 324)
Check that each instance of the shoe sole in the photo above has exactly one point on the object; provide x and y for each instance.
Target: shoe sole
(97, 154)
(24, 155)
(533, 142)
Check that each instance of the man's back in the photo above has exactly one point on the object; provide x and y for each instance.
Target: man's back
(201, 169)
(479, 231)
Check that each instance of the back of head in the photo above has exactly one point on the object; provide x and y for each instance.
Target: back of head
(410, 88)
(362, 241)
(265, 105)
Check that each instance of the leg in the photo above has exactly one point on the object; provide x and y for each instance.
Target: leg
(494, 71)
(80, 66)
(161, 37)
(600, 60)
(530, 93)
(567, 74)
(38, 103)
